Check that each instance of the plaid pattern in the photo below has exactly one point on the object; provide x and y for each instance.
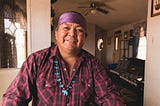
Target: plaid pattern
(36, 80)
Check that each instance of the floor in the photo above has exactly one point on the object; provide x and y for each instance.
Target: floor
(129, 98)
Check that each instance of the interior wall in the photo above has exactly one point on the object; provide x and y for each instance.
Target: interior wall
(152, 67)
(100, 54)
(90, 41)
(38, 20)
(109, 48)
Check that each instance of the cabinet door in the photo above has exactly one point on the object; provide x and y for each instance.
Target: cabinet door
(124, 49)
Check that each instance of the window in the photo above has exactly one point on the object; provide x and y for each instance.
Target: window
(116, 43)
(13, 34)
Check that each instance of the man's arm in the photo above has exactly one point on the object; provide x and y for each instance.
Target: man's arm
(19, 91)
(106, 92)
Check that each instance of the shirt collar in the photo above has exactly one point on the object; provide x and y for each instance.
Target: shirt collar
(54, 51)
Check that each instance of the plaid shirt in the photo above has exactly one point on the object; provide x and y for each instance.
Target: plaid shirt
(37, 80)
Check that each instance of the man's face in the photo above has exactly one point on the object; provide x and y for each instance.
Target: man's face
(70, 37)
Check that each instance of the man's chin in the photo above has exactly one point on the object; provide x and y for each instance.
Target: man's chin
(72, 49)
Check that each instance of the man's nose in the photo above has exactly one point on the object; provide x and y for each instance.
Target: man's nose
(72, 32)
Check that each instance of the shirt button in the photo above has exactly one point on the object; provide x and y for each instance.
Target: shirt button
(74, 69)
(64, 69)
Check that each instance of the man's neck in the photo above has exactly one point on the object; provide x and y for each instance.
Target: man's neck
(69, 54)
(70, 58)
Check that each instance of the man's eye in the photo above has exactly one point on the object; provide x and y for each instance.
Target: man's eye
(79, 30)
(66, 28)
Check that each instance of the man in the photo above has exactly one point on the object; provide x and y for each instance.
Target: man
(64, 74)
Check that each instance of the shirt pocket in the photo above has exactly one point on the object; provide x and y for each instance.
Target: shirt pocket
(86, 89)
(44, 83)
(46, 90)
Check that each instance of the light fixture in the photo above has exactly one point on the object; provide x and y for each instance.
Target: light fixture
(93, 11)
(100, 44)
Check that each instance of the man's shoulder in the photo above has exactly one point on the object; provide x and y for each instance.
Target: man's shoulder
(88, 56)
(43, 52)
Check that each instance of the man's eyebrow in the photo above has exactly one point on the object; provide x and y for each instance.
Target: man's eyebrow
(79, 26)
(76, 26)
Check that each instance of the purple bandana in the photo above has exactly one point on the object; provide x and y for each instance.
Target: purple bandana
(73, 17)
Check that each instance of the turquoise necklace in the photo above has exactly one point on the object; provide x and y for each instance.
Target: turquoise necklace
(64, 90)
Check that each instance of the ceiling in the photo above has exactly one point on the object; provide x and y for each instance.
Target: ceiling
(121, 12)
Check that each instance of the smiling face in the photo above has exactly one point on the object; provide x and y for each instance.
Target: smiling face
(70, 37)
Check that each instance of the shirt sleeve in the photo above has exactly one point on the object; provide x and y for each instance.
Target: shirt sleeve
(106, 92)
(19, 91)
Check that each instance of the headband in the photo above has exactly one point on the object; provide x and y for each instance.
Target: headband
(73, 17)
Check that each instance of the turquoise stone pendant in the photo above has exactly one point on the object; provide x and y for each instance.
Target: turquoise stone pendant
(61, 86)
(65, 92)
(55, 61)
(59, 80)
(57, 73)
(56, 67)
